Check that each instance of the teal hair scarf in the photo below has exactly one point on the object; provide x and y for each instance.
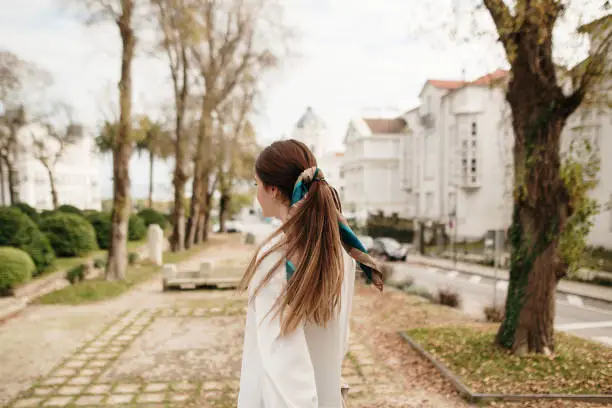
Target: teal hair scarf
(350, 241)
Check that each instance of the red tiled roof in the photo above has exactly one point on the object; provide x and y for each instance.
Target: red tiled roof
(385, 126)
(491, 77)
(444, 84)
(483, 80)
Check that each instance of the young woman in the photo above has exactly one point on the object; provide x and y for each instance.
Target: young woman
(300, 285)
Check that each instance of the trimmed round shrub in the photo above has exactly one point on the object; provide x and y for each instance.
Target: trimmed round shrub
(16, 267)
(132, 258)
(69, 234)
(151, 216)
(70, 209)
(99, 263)
(44, 214)
(19, 231)
(137, 229)
(101, 222)
(28, 210)
(76, 274)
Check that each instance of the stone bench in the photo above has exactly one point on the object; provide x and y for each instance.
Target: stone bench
(225, 276)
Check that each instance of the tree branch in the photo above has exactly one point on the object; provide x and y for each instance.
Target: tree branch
(503, 19)
(588, 74)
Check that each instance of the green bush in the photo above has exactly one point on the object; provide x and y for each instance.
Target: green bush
(101, 222)
(46, 213)
(16, 267)
(19, 231)
(69, 209)
(28, 210)
(379, 225)
(69, 234)
(132, 258)
(151, 216)
(137, 229)
(99, 263)
(76, 274)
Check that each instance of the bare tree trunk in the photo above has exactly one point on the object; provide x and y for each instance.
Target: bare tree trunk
(117, 252)
(151, 161)
(204, 216)
(223, 207)
(177, 240)
(54, 198)
(2, 184)
(12, 183)
(201, 172)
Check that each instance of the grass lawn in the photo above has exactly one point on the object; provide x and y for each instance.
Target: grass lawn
(67, 263)
(99, 289)
(578, 367)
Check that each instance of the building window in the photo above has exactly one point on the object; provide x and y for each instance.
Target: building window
(469, 155)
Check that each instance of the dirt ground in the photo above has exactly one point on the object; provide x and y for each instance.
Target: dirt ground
(183, 349)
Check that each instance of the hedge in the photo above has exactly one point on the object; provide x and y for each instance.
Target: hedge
(16, 267)
(69, 209)
(401, 229)
(137, 229)
(101, 222)
(69, 234)
(19, 231)
(28, 210)
(151, 216)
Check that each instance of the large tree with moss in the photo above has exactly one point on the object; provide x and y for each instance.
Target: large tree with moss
(544, 203)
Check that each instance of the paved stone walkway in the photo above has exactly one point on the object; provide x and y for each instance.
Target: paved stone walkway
(168, 357)
(184, 348)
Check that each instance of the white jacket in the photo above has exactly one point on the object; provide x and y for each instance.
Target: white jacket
(302, 369)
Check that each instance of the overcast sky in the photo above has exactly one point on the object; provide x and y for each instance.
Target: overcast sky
(356, 57)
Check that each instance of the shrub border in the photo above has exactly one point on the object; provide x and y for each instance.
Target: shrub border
(474, 397)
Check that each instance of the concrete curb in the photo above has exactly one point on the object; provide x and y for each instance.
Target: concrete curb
(473, 397)
(13, 310)
(484, 275)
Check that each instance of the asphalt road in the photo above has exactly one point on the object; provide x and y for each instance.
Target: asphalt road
(592, 320)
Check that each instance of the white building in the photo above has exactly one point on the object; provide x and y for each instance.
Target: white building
(372, 164)
(77, 179)
(457, 155)
(312, 131)
(594, 123)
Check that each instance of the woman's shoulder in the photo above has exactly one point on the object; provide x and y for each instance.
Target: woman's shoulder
(267, 263)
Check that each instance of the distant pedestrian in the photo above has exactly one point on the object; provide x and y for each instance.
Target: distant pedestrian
(300, 285)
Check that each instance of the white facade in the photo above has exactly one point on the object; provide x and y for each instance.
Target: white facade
(331, 165)
(311, 131)
(457, 156)
(595, 125)
(77, 179)
(371, 168)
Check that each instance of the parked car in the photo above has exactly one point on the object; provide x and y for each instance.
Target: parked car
(367, 241)
(388, 249)
(231, 226)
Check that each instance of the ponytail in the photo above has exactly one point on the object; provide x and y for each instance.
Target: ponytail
(315, 234)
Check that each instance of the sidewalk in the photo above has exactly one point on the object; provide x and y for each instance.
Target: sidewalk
(585, 290)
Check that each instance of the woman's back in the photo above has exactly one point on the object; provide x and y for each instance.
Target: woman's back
(328, 345)
(300, 286)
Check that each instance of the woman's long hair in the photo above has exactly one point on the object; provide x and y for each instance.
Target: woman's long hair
(311, 239)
